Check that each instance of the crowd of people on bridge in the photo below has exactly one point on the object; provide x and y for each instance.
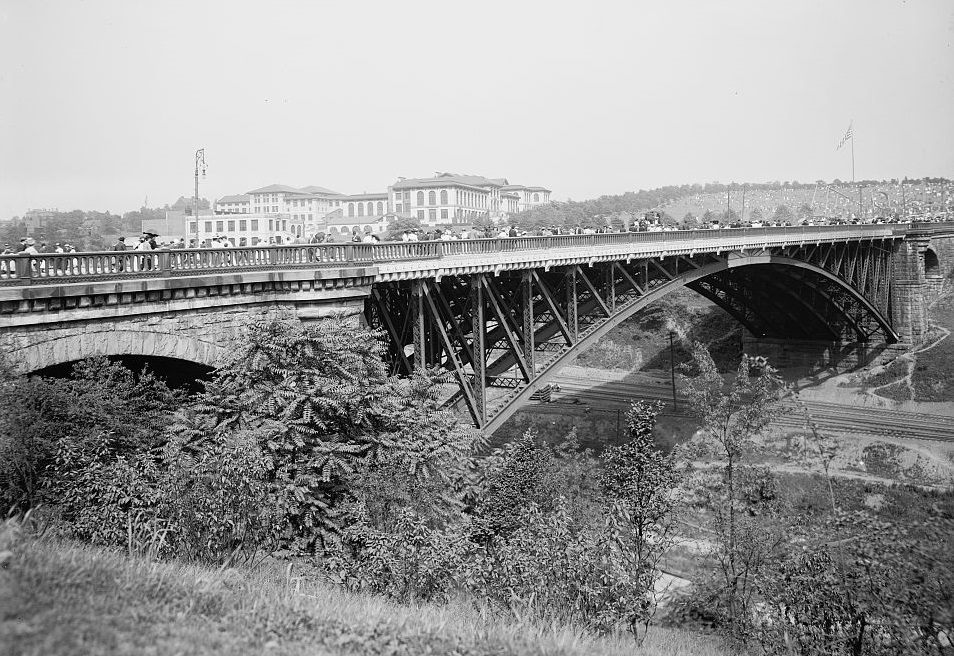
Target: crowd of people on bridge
(652, 222)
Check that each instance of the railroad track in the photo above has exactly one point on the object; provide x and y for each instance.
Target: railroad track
(875, 422)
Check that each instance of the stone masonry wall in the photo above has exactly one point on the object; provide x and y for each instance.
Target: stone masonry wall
(197, 335)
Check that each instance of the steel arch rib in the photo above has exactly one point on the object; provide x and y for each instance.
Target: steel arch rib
(629, 309)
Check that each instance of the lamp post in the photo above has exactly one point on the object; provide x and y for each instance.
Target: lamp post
(199, 165)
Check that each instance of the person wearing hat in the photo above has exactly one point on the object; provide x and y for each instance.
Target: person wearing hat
(120, 245)
(30, 246)
(145, 262)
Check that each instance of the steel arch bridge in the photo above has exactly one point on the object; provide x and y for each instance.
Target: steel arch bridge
(501, 314)
(505, 333)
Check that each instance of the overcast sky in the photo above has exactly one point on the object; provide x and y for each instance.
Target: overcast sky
(105, 103)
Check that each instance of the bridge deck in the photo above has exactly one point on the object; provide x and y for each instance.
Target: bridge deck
(399, 260)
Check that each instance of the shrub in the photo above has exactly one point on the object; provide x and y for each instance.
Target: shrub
(548, 569)
(325, 412)
(520, 474)
(103, 498)
(411, 562)
(217, 499)
(40, 413)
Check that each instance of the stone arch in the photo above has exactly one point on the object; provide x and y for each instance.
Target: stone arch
(52, 352)
(590, 338)
(932, 264)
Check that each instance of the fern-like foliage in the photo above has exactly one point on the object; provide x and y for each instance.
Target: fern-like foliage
(326, 414)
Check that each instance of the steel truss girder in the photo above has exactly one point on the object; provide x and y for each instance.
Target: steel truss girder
(505, 330)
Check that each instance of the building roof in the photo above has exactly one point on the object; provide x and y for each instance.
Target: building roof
(354, 197)
(522, 187)
(314, 189)
(448, 180)
(275, 188)
(236, 198)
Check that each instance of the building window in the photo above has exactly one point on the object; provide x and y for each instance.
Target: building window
(420, 215)
(420, 199)
(398, 208)
(231, 226)
(243, 241)
(397, 196)
(360, 209)
(432, 215)
(536, 198)
(219, 226)
(380, 207)
(243, 225)
(443, 215)
(350, 209)
(431, 198)
(311, 216)
(443, 197)
(271, 225)
(208, 226)
(254, 224)
(285, 225)
(370, 208)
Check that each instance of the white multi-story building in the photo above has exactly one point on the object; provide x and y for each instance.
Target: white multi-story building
(528, 197)
(238, 204)
(246, 229)
(443, 200)
(461, 199)
(446, 199)
(364, 205)
(308, 205)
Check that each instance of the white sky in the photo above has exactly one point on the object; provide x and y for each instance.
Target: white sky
(103, 103)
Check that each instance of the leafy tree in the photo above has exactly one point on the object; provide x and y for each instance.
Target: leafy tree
(732, 414)
(859, 584)
(641, 479)
(804, 212)
(690, 220)
(755, 214)
(708, 217)
(783, 214)
(44, 415)
(323, 408)
(521, 473)
(399, 225)
(729, 217)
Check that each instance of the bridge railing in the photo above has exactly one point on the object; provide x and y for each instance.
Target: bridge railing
(58, 268)
(54, 268)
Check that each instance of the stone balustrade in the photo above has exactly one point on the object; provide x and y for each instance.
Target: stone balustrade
(59, 268)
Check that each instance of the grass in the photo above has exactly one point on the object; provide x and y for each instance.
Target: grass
(65, 598)
(932, 374)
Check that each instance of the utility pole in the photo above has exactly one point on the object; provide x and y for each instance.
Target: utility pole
(672, 371)
(199, 165)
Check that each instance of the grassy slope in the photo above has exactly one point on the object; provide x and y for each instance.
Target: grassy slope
(58, 598)
(932, 374)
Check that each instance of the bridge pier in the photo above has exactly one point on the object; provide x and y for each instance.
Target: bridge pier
(921, 265)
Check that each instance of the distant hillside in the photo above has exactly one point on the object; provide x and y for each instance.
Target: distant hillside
(870, 198)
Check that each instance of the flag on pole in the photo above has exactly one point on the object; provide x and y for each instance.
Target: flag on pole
(845, 138)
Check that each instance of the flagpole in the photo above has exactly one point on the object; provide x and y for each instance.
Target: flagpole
(852, 155)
